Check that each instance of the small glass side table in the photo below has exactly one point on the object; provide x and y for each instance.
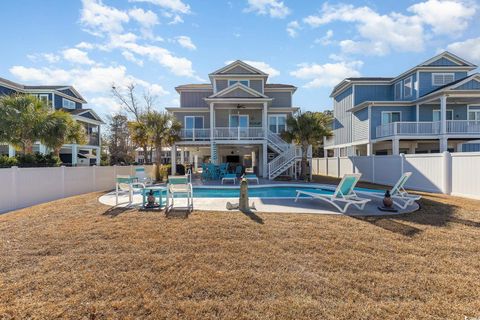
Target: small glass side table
(157, 193)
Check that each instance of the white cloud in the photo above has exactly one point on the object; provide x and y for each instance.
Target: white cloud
(147, 19)
(273, 8)
(328, 74)
(94, 80)
(172, 5)
(468, 49)
(392, 31)
(107, 103)
(326, 39)
(176, 19)
(292, 28)
(75, 55)
(262, 66)
(49, 57)
(186, 42)
(131, 57)
(85, 45)
(98, 18)
(445, 16)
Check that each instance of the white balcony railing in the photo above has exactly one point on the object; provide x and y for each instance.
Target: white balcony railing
(421, 128)
(195, 134)
(250, 133)
(463, 126)
(425, 128)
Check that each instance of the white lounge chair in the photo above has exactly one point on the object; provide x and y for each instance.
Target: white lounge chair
(343, 194)
(399, 195)
(251, 177)
(127, 184)
(179, 185)
(231, 177)
(142, 176)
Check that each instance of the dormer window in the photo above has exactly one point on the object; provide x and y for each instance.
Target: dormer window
(441, 79)
(244, 82)
(68, 104)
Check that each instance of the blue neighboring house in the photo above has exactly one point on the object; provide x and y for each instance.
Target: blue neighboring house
(66, 98)
(433, 107)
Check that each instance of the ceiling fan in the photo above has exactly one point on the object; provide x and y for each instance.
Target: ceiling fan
(240, 106)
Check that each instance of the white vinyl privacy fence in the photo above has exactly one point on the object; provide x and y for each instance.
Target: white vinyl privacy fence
(449, 173)
(23, 187)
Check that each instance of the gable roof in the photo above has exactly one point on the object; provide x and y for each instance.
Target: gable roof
(455, 84)
(238, 64)
(84, 113)
(59, 89)
(428, 65)
(249, 92)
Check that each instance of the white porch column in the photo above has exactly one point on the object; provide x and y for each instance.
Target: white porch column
(265, 118)
(412, 148)
(417, 113)
(212, 120)
(195, 161)
(74, 154)
(395, 146)
(443, 114)
(173, 159)
(443, 143)
(99, 158)
(369, 149)
(254, 160)
(11, 151)
(182, 155)
(264, 160)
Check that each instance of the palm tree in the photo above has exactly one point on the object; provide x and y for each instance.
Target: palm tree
(60, 128)
(307, 128)
(140, 135)
(163, 130)
(23, 120)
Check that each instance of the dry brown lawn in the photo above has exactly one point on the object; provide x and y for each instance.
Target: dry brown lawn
(76, 259)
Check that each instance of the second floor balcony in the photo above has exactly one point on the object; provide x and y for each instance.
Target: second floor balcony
(223, 133)
(428, 128)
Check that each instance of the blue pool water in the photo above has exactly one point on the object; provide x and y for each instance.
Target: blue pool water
(258, 192)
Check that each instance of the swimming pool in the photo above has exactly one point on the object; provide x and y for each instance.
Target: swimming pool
(264, 191)
(267, 191)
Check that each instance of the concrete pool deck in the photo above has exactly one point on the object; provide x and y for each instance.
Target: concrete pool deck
(277, 205)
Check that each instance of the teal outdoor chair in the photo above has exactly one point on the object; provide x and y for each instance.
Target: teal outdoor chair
(179, 186)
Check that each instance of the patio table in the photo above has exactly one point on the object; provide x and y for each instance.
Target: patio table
(157, 192)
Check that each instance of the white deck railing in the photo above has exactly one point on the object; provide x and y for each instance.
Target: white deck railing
(463, 126)
(195, 134)
(250, 133)
(418, 128)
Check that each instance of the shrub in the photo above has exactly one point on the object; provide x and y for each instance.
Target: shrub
(41, 160)
(163, 172)
(6, 161)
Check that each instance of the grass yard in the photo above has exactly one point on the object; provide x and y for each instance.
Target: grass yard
(77, 259)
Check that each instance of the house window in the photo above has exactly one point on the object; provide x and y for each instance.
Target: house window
(437, 117)
(193, 122)
(244, 82)
(441, 79)
(44, 99)
(277, 123)
(398, 90)
(239, 120)
(391, 116)
(474, 115)
(68, 104)
(407, 87)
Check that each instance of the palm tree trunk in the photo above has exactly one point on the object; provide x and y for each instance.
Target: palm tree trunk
(145, 155)
(304, 162)
(158, 160)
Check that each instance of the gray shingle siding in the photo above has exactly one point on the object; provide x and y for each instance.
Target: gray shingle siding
(181, 117)
(280, 99)
(257, 85)
(221, 84)
(194, 99)
(238, 70)
(360, 125)
(342, 125)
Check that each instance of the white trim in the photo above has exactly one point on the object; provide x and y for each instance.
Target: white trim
(393, 111)
(238, 85)
(443, 75)
(449, 56)
(278, 115)
(236, 63)
(417, 85)
(87, 120)
(473, 110)
(239, 116)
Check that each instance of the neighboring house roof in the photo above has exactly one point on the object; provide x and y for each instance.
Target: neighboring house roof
(455, 63)
(279, 86)
(194, 86)
(60, 89)
(84, 113)
(239, 65)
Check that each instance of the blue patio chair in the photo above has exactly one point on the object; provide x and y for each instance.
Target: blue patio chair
(223, 170)
(238, 170)
(204, 175)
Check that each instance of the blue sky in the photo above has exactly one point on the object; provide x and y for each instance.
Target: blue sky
(159, 44)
